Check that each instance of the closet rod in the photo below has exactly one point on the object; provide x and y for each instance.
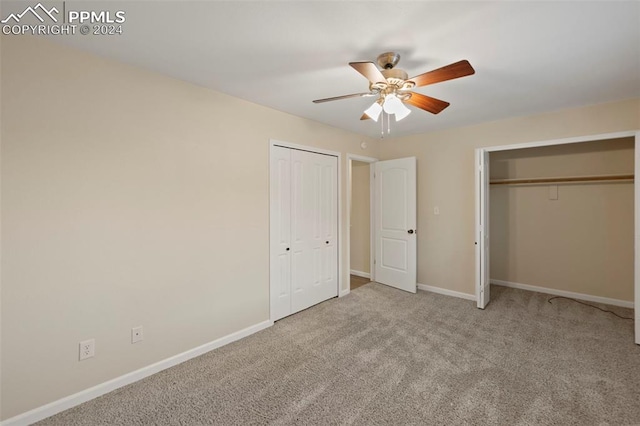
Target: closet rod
(564, 179)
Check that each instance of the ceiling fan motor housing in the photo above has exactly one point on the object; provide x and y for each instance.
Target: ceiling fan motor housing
(388, 60)
(396, 79)
(395, 76)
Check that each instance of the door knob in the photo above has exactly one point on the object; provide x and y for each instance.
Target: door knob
(410, 231)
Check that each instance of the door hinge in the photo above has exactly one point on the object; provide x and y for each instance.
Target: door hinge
(374, 261)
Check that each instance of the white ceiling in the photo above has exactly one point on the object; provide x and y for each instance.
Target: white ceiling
(529, 57)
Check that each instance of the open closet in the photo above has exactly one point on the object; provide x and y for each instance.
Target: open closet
(562, 219)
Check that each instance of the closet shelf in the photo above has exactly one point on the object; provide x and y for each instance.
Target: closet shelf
(570, 179)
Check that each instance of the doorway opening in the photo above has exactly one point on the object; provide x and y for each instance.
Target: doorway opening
(359, 221)
(392, 221)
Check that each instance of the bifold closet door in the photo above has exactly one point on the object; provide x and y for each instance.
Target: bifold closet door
(304, 224)
(280, 232)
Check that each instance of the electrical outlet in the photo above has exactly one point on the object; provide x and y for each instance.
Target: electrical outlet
(87, 349)
(136, 334)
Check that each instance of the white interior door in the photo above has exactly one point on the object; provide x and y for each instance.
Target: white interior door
(483, 288)
(395, 223)
(314, 220)
(304, 229)
(280, 238)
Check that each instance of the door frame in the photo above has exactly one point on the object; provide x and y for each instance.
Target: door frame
(272, 144)
(350, 159)
(588, 138)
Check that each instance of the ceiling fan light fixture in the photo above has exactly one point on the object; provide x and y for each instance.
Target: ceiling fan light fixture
(402, 112)
(391, 102)
(374, 111)
(393, 88)
(393, 105)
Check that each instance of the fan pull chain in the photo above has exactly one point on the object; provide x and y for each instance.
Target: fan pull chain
(382, 115)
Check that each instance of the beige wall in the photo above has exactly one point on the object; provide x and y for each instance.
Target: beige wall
(128, 198)
(583, 241)
(360, 217)
(446, 254)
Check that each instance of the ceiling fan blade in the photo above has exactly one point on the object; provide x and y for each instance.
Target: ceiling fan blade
(427, 103)
(369, 70)
(337, 98)
(365, 117)
(448, 72)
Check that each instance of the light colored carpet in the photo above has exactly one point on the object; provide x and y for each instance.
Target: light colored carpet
(380, 356)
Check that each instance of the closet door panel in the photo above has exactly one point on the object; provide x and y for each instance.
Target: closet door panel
(301, 223)
(280, 216)
(329, 225)
(317, 182)
(315, 189)
(315, 215)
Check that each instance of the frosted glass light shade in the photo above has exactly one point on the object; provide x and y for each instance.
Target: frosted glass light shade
(402, 112)
(393, 105)
(374, 111)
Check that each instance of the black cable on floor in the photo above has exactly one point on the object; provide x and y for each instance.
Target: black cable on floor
(587, 304)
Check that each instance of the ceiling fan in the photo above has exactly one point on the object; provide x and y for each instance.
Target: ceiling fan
(393, 89)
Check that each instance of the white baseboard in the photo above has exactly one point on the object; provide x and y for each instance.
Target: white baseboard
(580, 296)
(70, 401)
(360, 274)
(446, 292)
(344, 292)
